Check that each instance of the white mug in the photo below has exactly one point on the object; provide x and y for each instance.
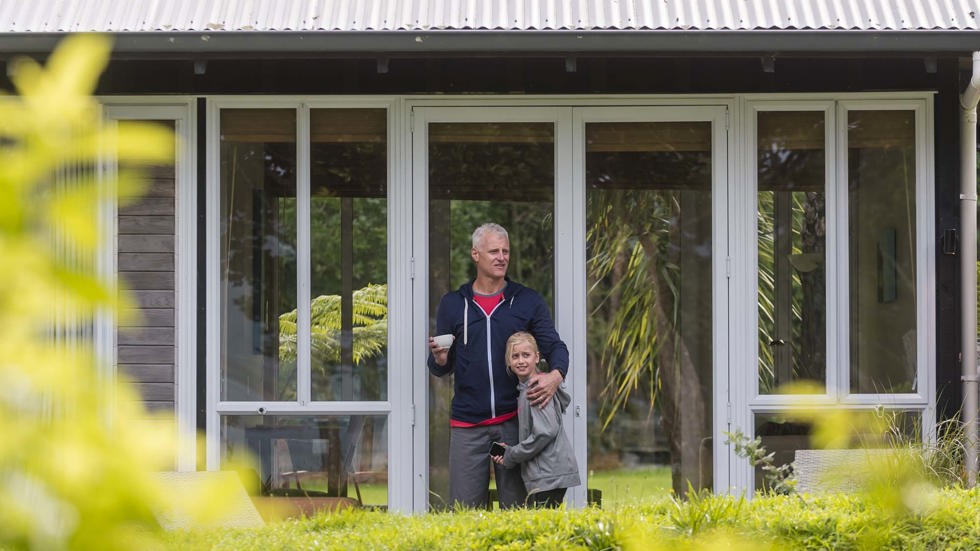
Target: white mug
(444, 341)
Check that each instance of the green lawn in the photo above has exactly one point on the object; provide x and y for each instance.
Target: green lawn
(631, 486)
(619, 487)
(372, 494)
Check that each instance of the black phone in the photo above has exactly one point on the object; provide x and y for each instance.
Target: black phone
(497, 448)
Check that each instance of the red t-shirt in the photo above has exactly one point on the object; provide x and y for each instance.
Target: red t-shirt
(488, 302)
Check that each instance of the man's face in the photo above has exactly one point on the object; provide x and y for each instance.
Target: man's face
(492, 256)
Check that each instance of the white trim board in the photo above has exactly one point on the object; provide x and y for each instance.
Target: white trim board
(183, 111)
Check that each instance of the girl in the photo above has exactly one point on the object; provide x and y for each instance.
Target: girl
(547, 462)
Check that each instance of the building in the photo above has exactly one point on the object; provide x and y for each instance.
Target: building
(758, 192)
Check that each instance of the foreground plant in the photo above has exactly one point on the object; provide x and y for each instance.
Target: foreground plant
(75, 464)
(709, 522)
(776, 478)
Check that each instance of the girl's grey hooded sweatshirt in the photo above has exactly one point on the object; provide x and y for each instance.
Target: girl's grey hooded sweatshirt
(544, 452)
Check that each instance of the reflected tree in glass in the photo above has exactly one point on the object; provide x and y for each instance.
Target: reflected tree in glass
(791, 240)
(649, 266)
(370, 329)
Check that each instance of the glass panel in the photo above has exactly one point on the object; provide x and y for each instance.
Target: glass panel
(349, 248)
(792, 245)
(322, 456)
(648, 193)
(258, 252)
(783, 435)
(484, 172)
(881, 242)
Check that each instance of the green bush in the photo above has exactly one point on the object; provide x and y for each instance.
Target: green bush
(75, 453)
(944, 519)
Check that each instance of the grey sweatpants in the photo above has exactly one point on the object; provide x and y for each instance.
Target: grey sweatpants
(469, 466)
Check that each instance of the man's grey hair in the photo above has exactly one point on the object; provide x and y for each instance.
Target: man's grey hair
(489, 227)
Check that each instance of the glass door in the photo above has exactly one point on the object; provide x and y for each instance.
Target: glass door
(476, 165)
(617, 216)
(654, 187)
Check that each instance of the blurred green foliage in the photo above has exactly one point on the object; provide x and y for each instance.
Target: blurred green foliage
(770, 522)
(75, 453)
(907, 499)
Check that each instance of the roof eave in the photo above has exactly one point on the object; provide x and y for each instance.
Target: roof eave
(524, 42)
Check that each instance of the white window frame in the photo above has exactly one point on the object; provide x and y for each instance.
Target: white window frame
(925, 257)
(735, 347)
(399, 367)
(570, 114)
(183, 111)
(747, 401)
(421, 116)
(718, 116)
(758, 401)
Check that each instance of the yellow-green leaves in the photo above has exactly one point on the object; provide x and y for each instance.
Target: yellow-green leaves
(77, 449)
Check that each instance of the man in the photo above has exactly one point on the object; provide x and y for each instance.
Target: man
(481, 315)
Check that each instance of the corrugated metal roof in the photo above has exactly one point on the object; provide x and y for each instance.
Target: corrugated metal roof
(123, 16)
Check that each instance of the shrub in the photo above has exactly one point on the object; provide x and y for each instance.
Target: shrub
(74, 464)
(771, 522)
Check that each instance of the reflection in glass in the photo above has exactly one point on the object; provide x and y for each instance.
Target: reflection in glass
(348, 255)
(322, 456)
(484, 172)
(258, 251)
(792, 246)
(348, 251)
(648, 193)
(881, 244)
(783, 434)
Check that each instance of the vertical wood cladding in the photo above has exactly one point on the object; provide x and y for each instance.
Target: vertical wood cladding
(146, 347)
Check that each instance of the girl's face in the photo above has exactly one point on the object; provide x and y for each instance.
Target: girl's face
(523, 359)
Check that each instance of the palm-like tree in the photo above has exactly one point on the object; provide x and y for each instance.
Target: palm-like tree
(370, 327)
(329, 349)
(635, 289)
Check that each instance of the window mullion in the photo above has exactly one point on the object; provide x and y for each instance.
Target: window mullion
(837, 229)
(303, 330)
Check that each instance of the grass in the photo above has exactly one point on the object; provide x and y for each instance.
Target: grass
(372, 494)
(932, 519)
(620, 487)
(898, 505)
(631, 486)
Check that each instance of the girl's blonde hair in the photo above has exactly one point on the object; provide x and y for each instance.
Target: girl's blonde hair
(517, 338)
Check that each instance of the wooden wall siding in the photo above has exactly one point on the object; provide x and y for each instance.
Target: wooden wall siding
(134, 225)
(145, 340)
(149, 373)
(148, 317)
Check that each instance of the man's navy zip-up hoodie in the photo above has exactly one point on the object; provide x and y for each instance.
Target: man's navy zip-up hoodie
(483, 387)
